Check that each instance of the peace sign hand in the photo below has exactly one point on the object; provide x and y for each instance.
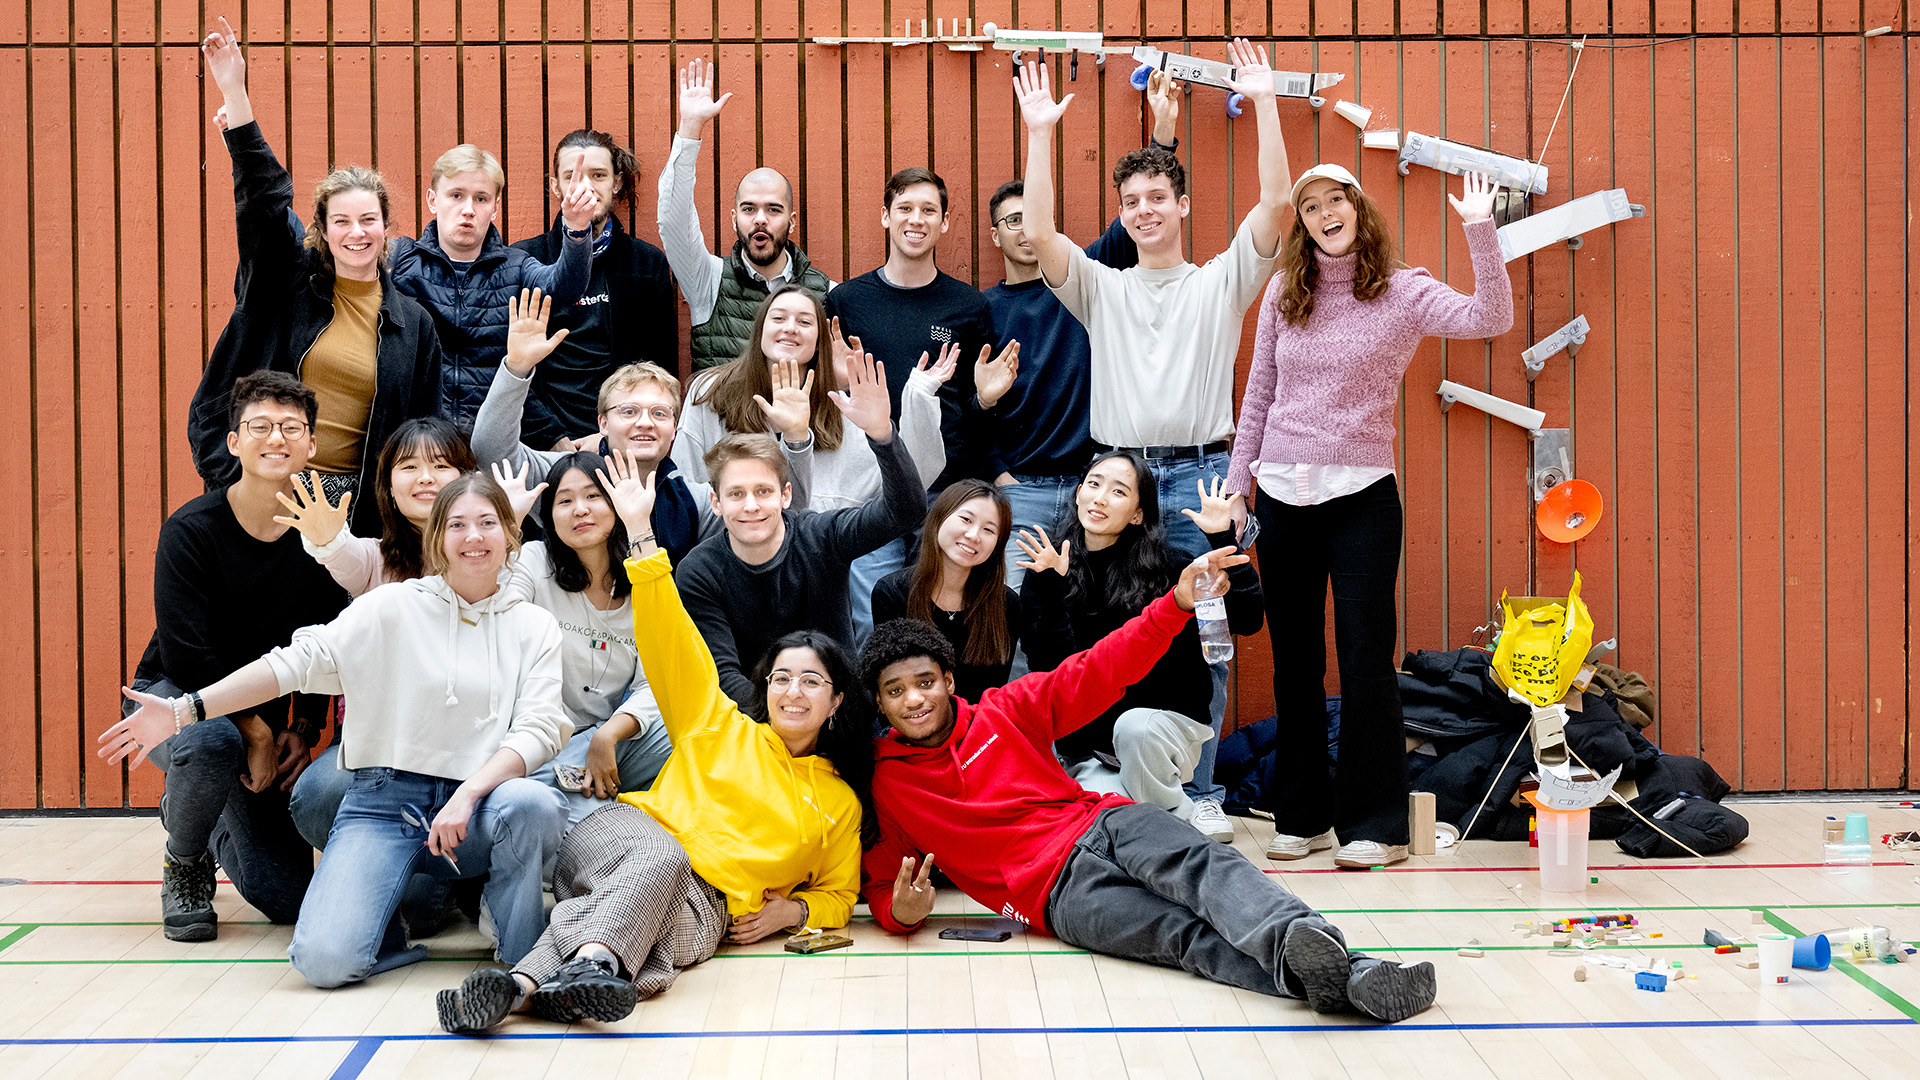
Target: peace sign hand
(1041, 554)
(309, 512)
(1475, 201)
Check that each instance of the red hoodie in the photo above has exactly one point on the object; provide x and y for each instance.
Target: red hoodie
(992, 803)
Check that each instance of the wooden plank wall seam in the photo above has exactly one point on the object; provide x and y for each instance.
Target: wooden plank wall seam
(1733, 514)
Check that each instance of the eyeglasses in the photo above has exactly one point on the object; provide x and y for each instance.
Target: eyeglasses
(263, 429)
(660, 413)
(780, 681)
(1012, 221)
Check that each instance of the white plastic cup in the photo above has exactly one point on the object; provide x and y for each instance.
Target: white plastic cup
(1356, 113)
(1776, 958)
(1563, 849)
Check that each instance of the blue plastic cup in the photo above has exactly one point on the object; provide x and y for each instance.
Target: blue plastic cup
(1812, 953)
(1857, 829)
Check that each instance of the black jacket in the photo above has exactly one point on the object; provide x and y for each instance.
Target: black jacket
(470, 314)
(283, 300)
(643, 316)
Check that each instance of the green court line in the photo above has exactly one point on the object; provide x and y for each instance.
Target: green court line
(1852, 971)
(20, 930)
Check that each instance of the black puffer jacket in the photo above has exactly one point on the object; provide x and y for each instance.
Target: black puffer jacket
(283, 299)
(470, 313)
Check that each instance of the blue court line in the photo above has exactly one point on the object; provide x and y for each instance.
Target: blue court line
(357, 1059)
(1116, 1029)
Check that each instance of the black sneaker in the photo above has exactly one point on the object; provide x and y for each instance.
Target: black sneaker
(186, 898)
(584, 989)
(481, 1001)
(1320, 962)
(1390, 991)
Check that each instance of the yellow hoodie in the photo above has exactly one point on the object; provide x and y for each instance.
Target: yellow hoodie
(751, 815)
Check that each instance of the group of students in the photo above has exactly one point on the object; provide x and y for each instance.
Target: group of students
(748, 676)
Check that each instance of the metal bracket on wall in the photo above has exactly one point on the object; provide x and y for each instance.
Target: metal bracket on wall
(1569, 337)
(1552, 459)
(1460, 159)
(1566, 222)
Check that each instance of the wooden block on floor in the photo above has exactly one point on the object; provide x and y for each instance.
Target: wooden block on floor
(1420, 823)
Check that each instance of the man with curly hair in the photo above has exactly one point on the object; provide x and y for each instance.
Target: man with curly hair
(977, 787)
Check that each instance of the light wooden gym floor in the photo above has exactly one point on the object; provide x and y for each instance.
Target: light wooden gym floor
(92, 989)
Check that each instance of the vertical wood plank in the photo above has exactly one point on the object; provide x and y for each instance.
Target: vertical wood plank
(866, 172)
(1846, 428)
(1721, 667)
(142, 449)
(19, 626)
(950, 107)
(96, 257)
(1887, 670)
(525, 140)
(438, 22)
(352, 112)
(823, 187)
(1510, 503)
(1673, 216)
(1767, 732)
(1422, 210)
(439, 128)
(1552, 269)
(1803, 485)
(566, 109)
(55, 497)
(184, 339)
(736, 140)
(398, 154)
(1473, 468)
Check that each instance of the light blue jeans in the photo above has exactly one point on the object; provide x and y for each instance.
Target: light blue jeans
(349, 927)
(866, 572)
(1177, 480)
(638, 759)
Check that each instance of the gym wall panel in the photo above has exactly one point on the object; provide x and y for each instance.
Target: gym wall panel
(1742, 399)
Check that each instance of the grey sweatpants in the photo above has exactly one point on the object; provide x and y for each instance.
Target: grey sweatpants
(1157, 751)
(1142, 885)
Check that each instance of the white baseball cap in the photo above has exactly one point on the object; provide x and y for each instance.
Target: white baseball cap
(1321, 172)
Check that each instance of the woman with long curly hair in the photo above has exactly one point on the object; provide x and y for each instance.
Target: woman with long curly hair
(1315, 456)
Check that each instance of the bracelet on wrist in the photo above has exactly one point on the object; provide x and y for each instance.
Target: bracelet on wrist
(806, 915)
(199, 706)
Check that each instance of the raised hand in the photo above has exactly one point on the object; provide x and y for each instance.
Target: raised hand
(225, 60)
(1253, 78)
(943, 368)
(515, 485)
(527, 340)
(1475, 201)
(309, 512)
(630, 489)
(1031, 87)
(1163, 101)
(1041, 554)
(576, 210)
(140, 731)
(913, 892)
(792, 405)
(1215, 560)
(697, 103)
(1216, 513)
(841, 350)
(993, 378)
(864, 402)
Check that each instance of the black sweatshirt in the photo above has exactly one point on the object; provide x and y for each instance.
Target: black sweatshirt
(1179, 683)
(890, 602)
(222, 599)
(742, 609)
(896, 325)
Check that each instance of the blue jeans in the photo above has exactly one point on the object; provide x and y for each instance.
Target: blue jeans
(204, 807)
(866, 572)
(638, 759)
(349, 926)
(1177, 481)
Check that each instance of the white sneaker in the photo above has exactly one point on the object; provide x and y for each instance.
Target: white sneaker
(1288, 847)
(1369, 853)
(1211, 820)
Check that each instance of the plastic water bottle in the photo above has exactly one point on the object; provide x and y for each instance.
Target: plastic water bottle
(1210, 610)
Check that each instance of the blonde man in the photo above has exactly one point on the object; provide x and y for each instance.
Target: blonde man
(462, 272)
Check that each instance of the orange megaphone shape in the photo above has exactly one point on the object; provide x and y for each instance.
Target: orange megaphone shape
(1569, 511)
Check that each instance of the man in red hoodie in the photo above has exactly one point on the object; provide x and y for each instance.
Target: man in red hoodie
(977, 787)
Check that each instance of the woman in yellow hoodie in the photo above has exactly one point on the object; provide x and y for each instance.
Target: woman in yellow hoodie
(753, 827)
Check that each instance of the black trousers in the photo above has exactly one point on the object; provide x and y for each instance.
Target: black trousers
(1352, 542)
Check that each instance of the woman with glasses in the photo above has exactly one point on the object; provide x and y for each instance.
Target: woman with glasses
(455, 685)
(754, 826)
(314, 302)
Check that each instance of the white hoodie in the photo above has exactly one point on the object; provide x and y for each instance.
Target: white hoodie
(437, 684)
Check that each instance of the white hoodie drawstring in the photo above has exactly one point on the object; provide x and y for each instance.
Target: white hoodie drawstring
(453, 638)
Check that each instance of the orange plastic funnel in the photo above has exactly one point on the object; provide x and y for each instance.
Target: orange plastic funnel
(1569, 511)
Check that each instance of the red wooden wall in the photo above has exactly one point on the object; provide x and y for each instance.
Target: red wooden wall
(1742, 401)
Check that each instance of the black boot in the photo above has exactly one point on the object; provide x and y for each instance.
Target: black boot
(186, 898)
(586, 988)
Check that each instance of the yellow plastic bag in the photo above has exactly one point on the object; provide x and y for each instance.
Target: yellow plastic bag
(1543, 643)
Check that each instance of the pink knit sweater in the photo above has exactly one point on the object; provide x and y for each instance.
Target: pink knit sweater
(1339, 375)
